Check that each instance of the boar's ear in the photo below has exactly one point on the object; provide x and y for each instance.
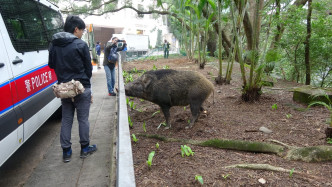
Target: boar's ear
(146, 81)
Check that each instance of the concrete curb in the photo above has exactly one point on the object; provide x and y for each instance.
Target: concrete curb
(125, 166)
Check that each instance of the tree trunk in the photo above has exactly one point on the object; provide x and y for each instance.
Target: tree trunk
(211, 43)
(219, 78)
(248, 30)
(225, 40)
(277, 37)
(307, 46)
(238, 45)
(295, 64)
(192, 38)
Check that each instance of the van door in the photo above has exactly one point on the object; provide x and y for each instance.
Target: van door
(11, 128)
(31, 25)
(26, 96)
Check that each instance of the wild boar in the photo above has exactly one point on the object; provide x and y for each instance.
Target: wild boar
(168, 88)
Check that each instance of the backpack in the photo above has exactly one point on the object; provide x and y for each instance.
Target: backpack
(113, 56)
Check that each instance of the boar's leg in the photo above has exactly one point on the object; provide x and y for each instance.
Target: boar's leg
(196, 108)
(165, 110)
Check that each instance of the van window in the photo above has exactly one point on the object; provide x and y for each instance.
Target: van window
(30, 24)
(52, 20)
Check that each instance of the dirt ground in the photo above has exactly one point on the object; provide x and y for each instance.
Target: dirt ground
(227, 118)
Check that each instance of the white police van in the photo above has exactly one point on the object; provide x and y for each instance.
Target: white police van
(26, 97)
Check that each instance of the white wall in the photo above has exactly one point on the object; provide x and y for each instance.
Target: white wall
(127, 19)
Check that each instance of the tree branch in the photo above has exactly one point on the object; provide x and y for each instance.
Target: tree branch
(90, 10)
(160, 12)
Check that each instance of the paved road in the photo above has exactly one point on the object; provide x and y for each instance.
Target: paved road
(39, 161)
(20, 166)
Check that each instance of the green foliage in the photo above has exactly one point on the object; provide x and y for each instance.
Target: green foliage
(154, 67)
(291, 48)
(274, 107)
(225, 176)
(144, 126)
(272, 56)
(151, 58)
(134, 138)
(157, 145)
(183, 52)
(128, 77)
(186, 150)
(149, 161)
(326, 105)
(321, 44)
(162, 124)
(124, 73)
(166, 67)
(130, 122)
(329, 140)
(199, 179)
(157, 112)
(132, 105)
(291, 172)
(288, 115)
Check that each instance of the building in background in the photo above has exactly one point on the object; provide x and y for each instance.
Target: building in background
(127, 21)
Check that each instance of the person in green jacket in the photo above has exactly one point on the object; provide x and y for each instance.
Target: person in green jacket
(166, 48)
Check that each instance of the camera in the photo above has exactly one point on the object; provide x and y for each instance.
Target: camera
(120, 40)
(120, 43)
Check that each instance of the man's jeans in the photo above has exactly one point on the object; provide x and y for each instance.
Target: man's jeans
(110, 78)
(82, 105)
(166, 53)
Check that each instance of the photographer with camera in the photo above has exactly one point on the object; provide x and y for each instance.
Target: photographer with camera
(110, 59)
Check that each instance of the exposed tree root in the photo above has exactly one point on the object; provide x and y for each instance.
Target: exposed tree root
(269, 167)
(306, 154)
(281, 143)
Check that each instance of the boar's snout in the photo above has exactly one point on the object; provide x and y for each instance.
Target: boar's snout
(134, 89)
(127, 90)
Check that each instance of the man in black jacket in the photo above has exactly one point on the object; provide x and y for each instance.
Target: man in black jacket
(70, 58)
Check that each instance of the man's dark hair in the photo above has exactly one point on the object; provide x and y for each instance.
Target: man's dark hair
(98, 42)
(72, 22)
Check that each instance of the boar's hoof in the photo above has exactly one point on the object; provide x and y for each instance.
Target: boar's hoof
(168, 127)
(203, 115)
(189, 126)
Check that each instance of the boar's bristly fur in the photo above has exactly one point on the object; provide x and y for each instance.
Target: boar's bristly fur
(168, 88)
